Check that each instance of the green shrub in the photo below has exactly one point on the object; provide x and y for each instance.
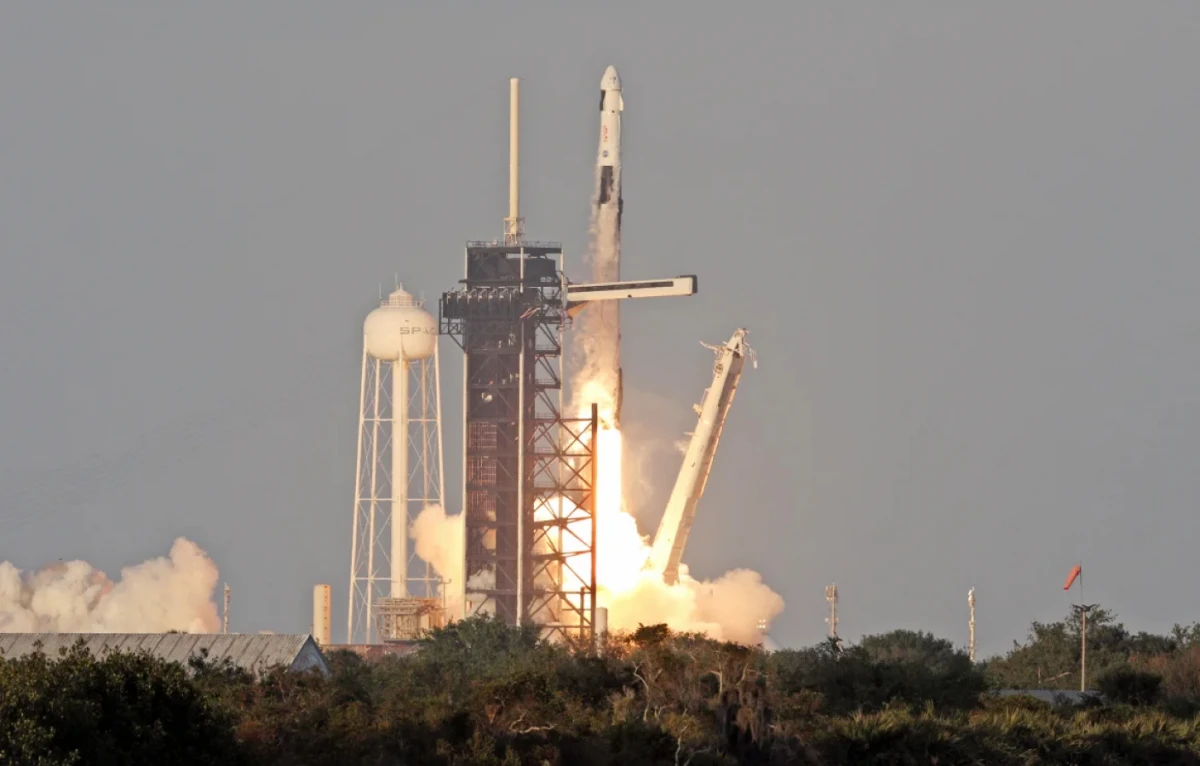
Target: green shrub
(996, 704)
(482, 693)
(1127, 686)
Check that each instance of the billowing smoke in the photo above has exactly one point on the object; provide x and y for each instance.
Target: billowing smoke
(727, 608)
(167, 593)
(439, 539)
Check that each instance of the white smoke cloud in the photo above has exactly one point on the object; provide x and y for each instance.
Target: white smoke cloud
(439, 539)
(736, 601)
(166, 593)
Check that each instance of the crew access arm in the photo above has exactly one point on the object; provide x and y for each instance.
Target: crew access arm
(713, 409)
(578, 297)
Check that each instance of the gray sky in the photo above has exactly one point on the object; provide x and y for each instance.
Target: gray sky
(965, 243)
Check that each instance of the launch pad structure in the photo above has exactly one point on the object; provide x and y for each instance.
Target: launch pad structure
(529, 470)
(529, 478)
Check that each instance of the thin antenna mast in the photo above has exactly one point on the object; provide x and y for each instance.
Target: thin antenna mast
(971, 644)
(831, 595)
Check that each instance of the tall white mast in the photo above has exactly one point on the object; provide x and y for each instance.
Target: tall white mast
(514, 224)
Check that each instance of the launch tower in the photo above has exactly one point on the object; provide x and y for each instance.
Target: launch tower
(528, 471)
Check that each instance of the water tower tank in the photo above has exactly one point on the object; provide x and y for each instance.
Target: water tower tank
(400, 329)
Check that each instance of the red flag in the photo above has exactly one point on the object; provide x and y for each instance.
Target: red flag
(1078, 570)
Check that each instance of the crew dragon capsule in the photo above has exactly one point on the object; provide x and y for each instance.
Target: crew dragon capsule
(606, 328)
(609, 157)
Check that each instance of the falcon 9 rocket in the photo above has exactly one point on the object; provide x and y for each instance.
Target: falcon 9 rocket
(605, 324)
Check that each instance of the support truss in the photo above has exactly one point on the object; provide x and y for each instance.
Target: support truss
(564, 527)
(526, 484)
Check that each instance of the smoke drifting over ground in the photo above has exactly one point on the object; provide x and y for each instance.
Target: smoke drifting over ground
(726, 609)
(439, 539)
(167, 593)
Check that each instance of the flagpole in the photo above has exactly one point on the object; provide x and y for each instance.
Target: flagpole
(1083, 655)
(1084, 607)
(1082, 645)
(1082, 600)
(1077, 574)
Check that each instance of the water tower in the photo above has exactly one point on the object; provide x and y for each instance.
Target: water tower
(393, 594)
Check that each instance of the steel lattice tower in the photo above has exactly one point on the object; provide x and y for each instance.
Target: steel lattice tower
(528, 472)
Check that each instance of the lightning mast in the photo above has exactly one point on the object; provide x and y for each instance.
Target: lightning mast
(713, 409)
(514, 224)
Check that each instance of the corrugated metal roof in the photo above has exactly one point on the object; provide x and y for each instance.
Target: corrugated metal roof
(252, 651)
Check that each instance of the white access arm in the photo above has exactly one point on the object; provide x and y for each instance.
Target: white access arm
(672, 534)
(579, 295)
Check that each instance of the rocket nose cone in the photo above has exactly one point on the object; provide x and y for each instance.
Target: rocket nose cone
(611, 80)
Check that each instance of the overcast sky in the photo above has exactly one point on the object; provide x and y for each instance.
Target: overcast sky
(965, 242)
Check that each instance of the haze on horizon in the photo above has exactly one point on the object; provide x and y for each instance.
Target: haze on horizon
(964, 240)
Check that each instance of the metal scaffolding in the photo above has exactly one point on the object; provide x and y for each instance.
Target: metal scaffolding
(528, 472)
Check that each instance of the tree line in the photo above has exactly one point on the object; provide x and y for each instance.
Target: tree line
(478, 692)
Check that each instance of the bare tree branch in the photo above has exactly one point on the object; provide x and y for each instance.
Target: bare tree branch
(645, 683)
(679, 744)
(528, 729)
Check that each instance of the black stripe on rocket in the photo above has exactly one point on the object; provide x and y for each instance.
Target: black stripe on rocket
(606, 184)
(606, 191)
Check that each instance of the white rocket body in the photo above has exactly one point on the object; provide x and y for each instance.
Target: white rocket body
(611, 106)
(605, 325)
